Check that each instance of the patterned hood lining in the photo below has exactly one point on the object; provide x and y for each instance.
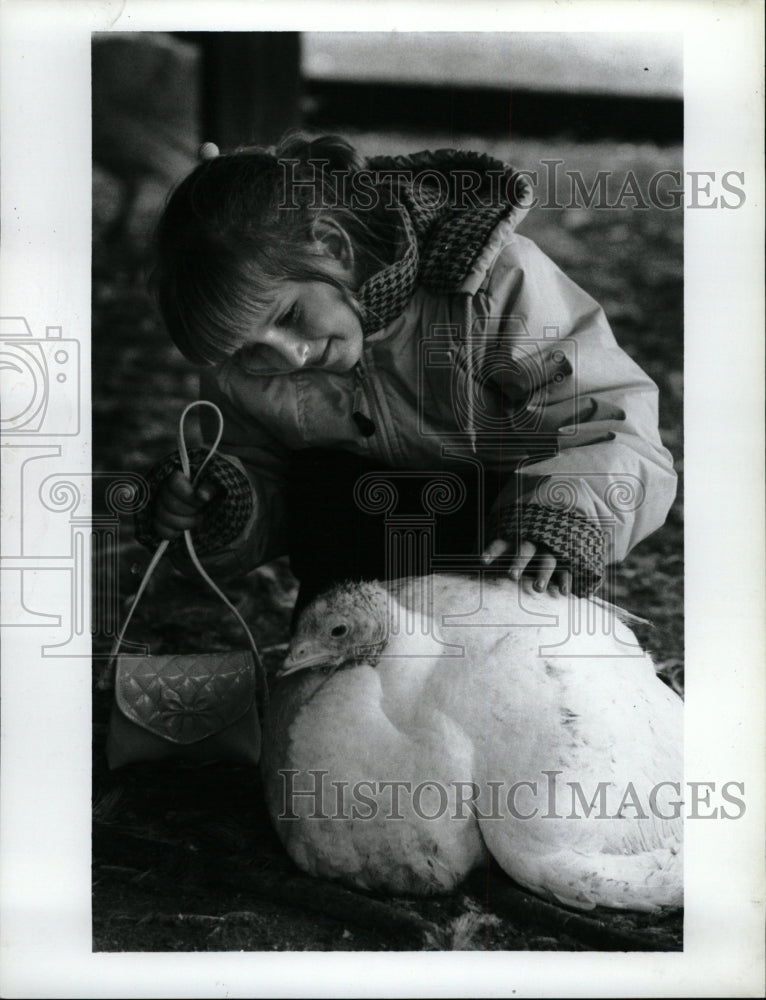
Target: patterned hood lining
(449, 201)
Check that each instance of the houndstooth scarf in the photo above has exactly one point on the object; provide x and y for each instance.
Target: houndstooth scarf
(448, 202)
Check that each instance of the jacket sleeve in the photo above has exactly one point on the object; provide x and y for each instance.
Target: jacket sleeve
(594, 474)
(244, 525)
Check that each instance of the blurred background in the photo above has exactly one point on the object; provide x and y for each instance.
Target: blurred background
(156, 95)
(595, 102)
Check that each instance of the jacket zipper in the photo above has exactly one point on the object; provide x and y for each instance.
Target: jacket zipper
(377, 409)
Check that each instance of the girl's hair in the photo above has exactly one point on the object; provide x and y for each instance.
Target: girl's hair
(243, 222)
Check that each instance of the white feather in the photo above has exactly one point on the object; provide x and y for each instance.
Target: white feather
(483, 681)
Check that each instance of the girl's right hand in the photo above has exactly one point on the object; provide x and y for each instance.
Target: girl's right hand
(178, 505)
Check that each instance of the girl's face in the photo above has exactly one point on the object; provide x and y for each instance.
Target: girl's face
(310, 325)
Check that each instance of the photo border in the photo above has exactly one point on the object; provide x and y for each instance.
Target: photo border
(46, 726)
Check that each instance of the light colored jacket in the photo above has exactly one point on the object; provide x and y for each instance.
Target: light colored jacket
(444, 386)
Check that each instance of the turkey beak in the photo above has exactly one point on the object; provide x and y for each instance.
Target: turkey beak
(303, 655)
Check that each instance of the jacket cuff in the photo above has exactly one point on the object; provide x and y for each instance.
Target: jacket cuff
(223, 519)
(575, 540)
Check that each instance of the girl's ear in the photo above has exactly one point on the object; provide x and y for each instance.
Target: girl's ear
(334, 242)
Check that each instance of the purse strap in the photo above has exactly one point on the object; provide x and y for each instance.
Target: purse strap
(160, 551)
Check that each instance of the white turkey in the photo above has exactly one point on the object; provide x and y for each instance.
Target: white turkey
(421, 724)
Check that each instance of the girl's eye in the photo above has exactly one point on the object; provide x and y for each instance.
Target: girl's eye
(289, 317)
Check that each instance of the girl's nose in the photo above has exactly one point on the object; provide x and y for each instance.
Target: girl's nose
(294, 349)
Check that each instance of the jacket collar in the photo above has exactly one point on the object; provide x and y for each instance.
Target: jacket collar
(449, 202)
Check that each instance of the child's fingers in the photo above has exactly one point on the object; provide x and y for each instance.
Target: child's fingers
(538, 563)
(205, 492)
(521, 559)
(494, 550)
(178, 486)
(171, 525)
(181, 496)
(171, 504)
(545, 564)
(179, 504)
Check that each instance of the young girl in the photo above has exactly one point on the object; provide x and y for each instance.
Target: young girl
(384, 315)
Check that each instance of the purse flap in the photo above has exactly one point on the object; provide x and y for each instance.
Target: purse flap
(185, 698)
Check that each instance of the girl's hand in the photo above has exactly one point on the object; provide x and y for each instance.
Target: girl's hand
(532, 562)
(178, 505)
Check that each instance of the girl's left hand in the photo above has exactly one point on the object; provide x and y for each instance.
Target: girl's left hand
(532, 562)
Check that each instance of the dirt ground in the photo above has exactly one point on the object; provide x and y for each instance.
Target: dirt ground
(184, 858)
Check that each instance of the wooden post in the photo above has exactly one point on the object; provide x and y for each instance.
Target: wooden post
(250, 85)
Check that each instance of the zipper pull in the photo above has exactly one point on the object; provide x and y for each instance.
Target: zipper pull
(365, 426)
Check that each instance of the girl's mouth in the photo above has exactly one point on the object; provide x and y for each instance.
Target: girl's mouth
(321, 361)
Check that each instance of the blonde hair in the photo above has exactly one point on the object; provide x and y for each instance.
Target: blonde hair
(243, 222)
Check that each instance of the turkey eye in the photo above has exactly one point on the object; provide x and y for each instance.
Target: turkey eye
(338, 631)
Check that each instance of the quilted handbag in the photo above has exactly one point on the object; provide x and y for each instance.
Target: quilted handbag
(196, 707)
